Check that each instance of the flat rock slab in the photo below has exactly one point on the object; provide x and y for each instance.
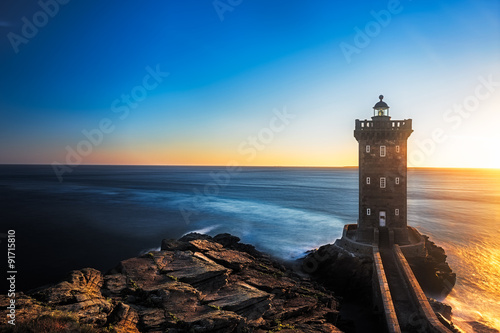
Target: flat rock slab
(193, 268)
(242, 299)
(268, 281)
(232, 259)
(141, 272)
(237, 296)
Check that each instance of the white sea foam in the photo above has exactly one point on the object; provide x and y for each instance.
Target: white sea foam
(153, 249)
(202, 231)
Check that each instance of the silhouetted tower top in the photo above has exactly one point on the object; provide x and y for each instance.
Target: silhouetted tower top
(381, 109)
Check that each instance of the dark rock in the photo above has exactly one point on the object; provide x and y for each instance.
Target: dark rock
(480, 327)
(114, 284)
(448, 323)
(441, 308)
(232, 242)
(338, 270)
(227, 240)
(250, 249)
(433, 272)
(194, 236)
(173, 245)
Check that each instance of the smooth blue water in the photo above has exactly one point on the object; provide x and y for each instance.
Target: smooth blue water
(101, 214)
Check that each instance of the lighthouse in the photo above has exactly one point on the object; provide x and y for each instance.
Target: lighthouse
(382, 177)
(382, 232)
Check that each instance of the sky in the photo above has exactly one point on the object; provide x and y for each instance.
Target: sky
(247, 82)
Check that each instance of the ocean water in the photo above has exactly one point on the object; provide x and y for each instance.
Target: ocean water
(100, 215)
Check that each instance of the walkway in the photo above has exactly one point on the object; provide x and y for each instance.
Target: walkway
(413, 311)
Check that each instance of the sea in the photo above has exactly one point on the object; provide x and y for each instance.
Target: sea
(96, 216)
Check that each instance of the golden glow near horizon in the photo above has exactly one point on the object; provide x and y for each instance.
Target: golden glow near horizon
(318, 138)
(480, 155)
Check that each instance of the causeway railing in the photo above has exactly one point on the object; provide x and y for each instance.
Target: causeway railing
(387, 304)
(433, 323)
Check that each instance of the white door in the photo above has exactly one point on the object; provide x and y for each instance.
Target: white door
(382, 218)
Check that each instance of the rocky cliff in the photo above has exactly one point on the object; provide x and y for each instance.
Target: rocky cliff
(195, 284)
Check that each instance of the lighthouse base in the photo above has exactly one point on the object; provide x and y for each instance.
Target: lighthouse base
(360, 242)
(383, 236)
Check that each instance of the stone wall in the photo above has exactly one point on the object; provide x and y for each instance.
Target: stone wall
(382, 293)
(433, 323)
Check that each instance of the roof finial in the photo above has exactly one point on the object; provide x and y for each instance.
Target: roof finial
(381, 97)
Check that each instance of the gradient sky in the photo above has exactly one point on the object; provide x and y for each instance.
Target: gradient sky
(233, 65)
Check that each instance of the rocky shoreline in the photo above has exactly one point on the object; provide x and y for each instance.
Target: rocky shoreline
(196, 284)
(201, 283)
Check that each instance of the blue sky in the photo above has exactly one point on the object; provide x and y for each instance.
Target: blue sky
(232, 64)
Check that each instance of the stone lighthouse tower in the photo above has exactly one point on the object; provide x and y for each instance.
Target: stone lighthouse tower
(382, 177)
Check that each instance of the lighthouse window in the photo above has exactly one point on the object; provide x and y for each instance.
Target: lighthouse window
(397, 180)
(382, 151)
(368, 180)
(397, 149)
(396, 212)
(367, 148)
(368, 211)
(382, 182)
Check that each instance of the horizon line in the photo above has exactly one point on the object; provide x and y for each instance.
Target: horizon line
(248, 166)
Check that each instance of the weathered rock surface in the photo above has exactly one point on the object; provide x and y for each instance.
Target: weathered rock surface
(338, 270)
(195, 284)
(433, 272)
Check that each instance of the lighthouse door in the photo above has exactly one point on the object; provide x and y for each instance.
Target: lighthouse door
(382, 218)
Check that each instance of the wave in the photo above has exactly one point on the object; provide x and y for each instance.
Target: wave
(203, 231)
(153, 249)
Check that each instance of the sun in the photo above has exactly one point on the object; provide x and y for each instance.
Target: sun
(494, 161)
